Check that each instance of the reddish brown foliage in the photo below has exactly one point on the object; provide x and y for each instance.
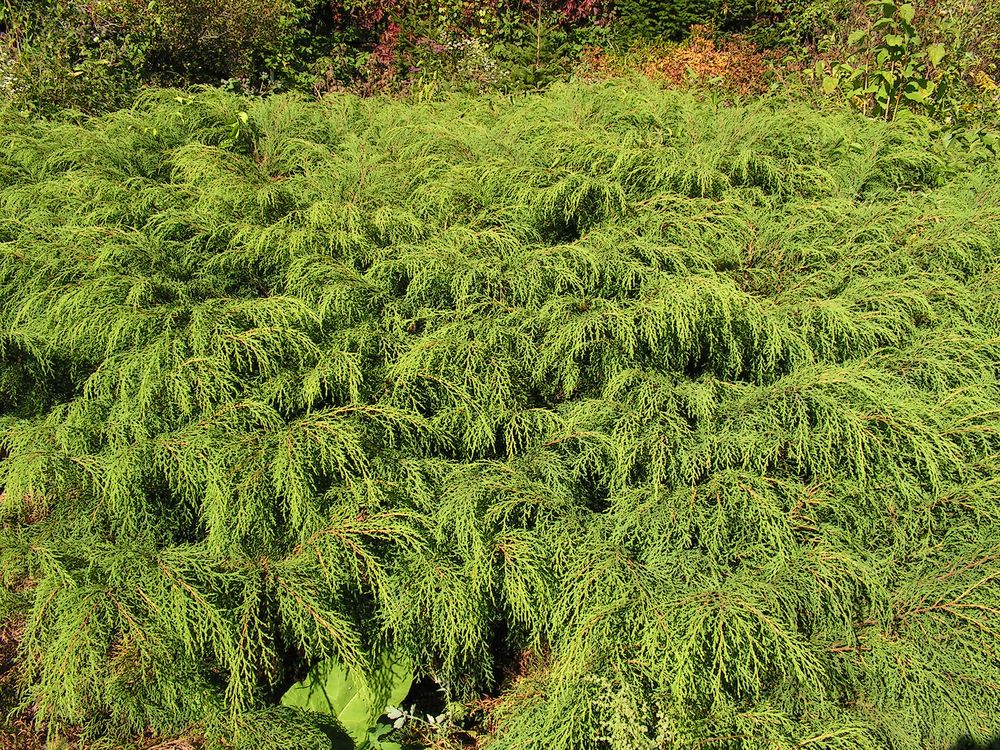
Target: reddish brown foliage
(734, 63)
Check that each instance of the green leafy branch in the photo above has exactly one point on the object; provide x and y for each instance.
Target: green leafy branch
(891, 67)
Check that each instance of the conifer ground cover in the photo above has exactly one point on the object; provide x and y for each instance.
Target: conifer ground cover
(640, 421)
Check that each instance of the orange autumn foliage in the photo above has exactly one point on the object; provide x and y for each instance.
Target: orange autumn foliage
(734, 63)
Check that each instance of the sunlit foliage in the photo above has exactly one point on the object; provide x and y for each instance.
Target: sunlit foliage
(697, 405)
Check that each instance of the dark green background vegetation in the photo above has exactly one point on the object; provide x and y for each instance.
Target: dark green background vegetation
(97, 55)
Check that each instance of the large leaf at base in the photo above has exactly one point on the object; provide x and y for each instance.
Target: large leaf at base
(356, 703)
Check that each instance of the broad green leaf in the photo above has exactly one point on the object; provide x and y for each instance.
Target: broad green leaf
(906, 12)
(856, 36)
(356, 703)
(829, 84)
(894, 40)
(936, 53)
(919, 91)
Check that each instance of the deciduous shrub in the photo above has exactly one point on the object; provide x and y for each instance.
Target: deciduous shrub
(928, 56)
(896, 67)
(97, 55)
(734, 64)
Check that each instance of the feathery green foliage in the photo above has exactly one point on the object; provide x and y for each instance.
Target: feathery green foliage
(697, 405)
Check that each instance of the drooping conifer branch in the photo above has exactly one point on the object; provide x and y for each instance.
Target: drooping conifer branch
(692, 410)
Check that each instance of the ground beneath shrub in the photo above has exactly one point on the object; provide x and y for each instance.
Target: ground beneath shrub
(16, 733)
